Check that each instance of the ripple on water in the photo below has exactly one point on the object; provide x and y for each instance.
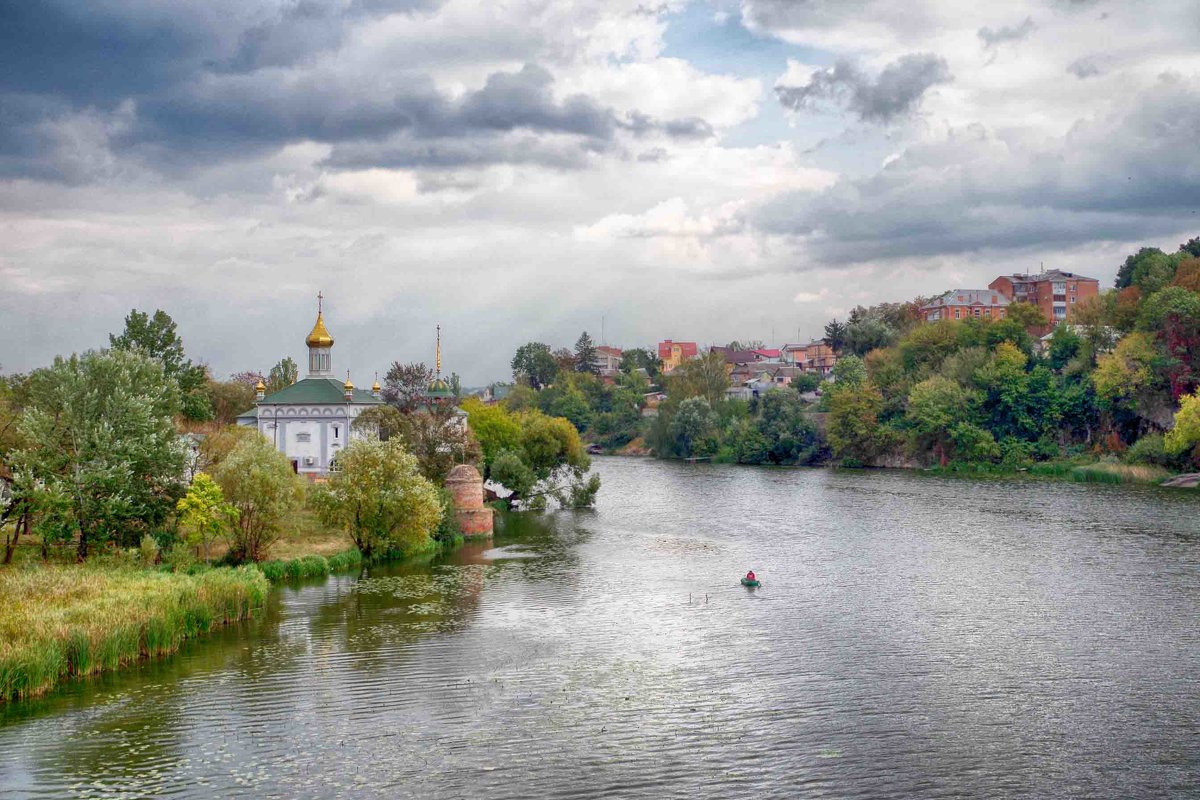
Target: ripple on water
(919, 640)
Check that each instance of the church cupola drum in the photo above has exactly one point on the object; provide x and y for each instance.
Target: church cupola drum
(320, 345)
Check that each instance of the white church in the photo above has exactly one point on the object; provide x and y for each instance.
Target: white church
(310, 420)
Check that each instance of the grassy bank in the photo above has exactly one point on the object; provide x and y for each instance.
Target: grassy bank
(58, 621)
(1079, 472)
(311, 566)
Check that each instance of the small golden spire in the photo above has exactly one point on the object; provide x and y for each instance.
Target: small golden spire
(348, 386)
(375, 387)
(438, 373)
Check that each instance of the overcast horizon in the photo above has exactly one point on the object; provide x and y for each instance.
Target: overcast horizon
(700, 171)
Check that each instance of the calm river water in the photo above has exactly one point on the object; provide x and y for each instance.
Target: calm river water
(915, 637)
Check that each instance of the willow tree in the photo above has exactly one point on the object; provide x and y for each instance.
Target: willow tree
(379, 497)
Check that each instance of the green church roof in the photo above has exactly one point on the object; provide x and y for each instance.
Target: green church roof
(314, 391)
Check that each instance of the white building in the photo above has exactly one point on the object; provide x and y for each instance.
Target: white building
(310, 421)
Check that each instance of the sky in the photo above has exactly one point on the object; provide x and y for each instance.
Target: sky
(526, 170)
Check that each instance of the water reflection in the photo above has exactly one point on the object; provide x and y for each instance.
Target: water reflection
(914, 636)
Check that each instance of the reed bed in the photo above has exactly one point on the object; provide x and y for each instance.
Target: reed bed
(1119, 473)
(311, 566)
(58, 621)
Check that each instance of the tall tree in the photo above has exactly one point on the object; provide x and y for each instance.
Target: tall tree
(835, 334)
(700, 377)
(158, 338)
(103, 461)
(636, 358)
(585, 354)
(380, 498)
(282, 375)
(535, 365)
(258, 482)
(405, 385)
(1191, 247)
(564, 358)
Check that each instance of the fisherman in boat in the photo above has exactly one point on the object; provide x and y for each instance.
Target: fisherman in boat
(750, 576)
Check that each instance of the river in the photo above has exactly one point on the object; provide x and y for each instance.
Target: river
(914, 636)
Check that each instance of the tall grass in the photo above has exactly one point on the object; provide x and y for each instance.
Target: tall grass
(1102, 472)
(58, 621)
(311, 566)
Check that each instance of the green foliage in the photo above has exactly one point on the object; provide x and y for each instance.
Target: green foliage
(835, 335)
(494, 427)
(585, 354)
(1065, 345)
(101, 460)
(379, 497)
(157, 337)
(637, 358)
(704, 377)
(1184, 436)
(227, 399)
(534, 365)
(1027, 315)
(855, 433)
(258, 482)
(203, 513)
(282, 375)
(850, 371)
(448, 530)
(936, 407)
(807, 382)
(510, 470)
(692, 429)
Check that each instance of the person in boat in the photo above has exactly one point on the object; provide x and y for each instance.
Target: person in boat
(750, 576)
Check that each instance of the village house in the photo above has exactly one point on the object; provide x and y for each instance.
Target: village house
(966, 304)
(608, 361)
(1054, 292)
(672, 354)
(816, 356)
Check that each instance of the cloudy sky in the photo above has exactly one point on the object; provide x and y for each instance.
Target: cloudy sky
(524, 170)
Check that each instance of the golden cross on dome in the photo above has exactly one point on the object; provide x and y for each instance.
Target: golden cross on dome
(320, 301)
(439, 350)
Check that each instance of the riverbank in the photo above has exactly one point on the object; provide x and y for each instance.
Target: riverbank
(1075, 471)
(60, 621)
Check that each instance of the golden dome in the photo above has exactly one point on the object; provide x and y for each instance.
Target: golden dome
(348, 386)
(319, 337)
(260, 386)
(375, 387)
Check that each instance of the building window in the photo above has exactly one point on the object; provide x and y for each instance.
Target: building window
(335, 431)
(958, 313)
(1059, 288)
(1060, 312)
(976, 311)
(1072, 298)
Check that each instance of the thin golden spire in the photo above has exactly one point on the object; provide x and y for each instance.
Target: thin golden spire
(439, 350)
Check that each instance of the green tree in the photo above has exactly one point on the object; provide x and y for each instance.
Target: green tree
(494, 427)
(534, 365)
(203, 513)
(1184, 436)
(282, 375)
(867, 334)
(637, 358)
(1136, 266)
(158, 338)
(705, 377)
(935, 406)
(853, 428)
(1126, 374)
(1191, 247)
(379, 497)
(101, 459)
(850, 370)
(1027, 315)
(1065, 345)
(259, 483)
(790, 437)
(691, 428)
(585, 354)
(835, 335)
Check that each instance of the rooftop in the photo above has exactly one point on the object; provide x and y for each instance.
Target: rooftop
(969, 297)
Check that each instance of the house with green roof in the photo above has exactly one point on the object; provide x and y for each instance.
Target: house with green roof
(310, 421)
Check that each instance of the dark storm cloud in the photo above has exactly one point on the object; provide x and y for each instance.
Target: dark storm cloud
(1124, 176)
(895, 93)
(992, 37)
(180, 87)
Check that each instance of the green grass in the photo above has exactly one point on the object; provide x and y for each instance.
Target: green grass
(311, 566)
(58, 621)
